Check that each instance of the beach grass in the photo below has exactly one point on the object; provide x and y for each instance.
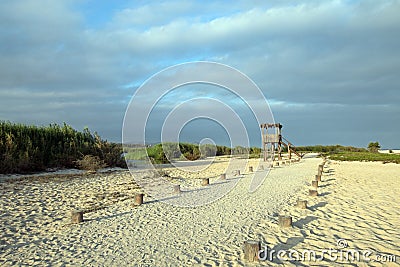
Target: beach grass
(365, 156)
(136, 154)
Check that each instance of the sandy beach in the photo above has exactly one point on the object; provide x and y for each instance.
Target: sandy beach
(357, 204)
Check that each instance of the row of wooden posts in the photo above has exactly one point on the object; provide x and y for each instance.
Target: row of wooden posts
(77, 216)
(252, 248)
(285, 162)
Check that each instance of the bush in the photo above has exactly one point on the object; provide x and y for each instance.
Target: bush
(90, 163)
(25, 148)
(374, 147)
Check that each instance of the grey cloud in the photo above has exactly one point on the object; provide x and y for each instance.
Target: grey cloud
(339, 55)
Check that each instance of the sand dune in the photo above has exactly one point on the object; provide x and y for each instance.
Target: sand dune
(357, 203)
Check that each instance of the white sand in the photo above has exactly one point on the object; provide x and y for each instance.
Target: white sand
(36, 230)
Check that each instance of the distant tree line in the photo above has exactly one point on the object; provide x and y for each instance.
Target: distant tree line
(328, 149)
(26, 148)
(165, 152)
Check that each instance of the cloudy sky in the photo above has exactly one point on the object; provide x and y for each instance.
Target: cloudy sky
(329, 69)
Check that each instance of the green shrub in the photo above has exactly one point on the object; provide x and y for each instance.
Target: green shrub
(90, 163)
(25, 148)
(374, 147)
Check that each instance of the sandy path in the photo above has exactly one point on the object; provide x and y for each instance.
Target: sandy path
(161, 234)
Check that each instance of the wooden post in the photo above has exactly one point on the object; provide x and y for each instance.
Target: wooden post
(264, 142)
(237, 172)
(320, 168)
(279, 151)
(283, 162)
(313, 192)
(250, 168)
(205, 181)
(277, 163)
(285, 221)
(177, 189)
(77, 216)
(318, 177)
(314, 184)
(251, 249)
(301, 204)
(139, 199)
(289, 151)
(223, 176)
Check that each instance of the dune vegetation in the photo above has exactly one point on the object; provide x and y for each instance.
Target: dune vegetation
(25, 148)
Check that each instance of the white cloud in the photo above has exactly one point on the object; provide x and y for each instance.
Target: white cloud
(302, 53)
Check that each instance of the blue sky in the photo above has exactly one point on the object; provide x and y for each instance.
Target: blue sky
(329, 69)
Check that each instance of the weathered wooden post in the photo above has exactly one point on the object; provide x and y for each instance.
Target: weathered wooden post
(318, 177)
(313, 192)
(223, 176)
(205, 181)
(237, 172)
(76, 216)
(177, 189)
(277, 163)
(250, 168)
(251, 250)
(139, 199)
(314, 184)
(320, 169)
(301, 204)
(285, 221)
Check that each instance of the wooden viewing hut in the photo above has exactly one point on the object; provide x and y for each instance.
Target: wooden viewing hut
(273, 140)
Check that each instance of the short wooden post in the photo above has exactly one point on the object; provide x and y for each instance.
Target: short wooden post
(250, 168)
(318, 177)
(314, 184)
(320, 168)
(285, 221)
(139, 199)
(237, 172)
(277, 163)
(177, 189)
(77, 216)
(205, 181)
(251, 250)
(313, 192)
(301, 204)
(223, 176)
